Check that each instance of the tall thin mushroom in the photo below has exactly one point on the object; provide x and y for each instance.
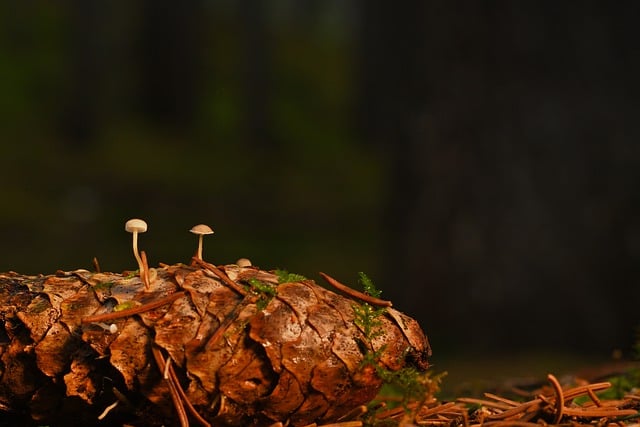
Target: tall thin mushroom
(200, 230)
(136, 226)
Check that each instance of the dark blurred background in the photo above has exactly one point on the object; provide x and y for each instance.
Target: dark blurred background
(478, 160)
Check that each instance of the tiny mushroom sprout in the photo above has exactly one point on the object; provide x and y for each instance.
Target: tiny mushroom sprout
(243, 262)
(201, 230)
(136, 226)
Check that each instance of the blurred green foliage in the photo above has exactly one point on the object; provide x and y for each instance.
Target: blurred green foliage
(475, 161)
(307, 198)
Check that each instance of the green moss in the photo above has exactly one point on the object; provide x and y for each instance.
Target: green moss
(262, 287)
(368, 286)
(621, 385)
(103, 286)
(285, 277)
(367, 317)
(124, 306)
(407, 383)
(265, 292)
(132, 274)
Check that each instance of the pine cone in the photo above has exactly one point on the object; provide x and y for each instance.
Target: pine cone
(233, 344)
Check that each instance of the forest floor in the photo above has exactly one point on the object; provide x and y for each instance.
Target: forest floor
(475, 373)
(529, 390)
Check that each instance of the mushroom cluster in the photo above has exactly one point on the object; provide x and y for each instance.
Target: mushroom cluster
(136, 226)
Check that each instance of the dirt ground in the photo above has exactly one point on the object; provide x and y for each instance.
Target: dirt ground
(471, 373)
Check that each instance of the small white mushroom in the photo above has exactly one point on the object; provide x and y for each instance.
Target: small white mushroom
(201, 230)
(243, 262)
(112, 328)
(136, 226)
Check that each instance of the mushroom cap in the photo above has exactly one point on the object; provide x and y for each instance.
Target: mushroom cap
(201, 229)
(135, 225)
(243, 262)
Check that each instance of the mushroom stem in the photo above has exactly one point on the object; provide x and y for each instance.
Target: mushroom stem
(200, 239)
(136, 254)
(136, 226)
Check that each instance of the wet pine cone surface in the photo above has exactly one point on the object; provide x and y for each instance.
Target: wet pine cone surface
(254, 354)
